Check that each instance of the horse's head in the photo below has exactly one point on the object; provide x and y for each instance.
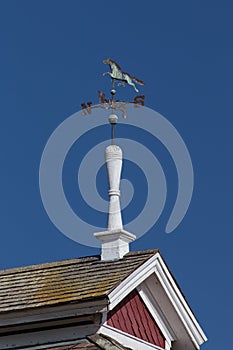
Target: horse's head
(107, 61)
(112, 64)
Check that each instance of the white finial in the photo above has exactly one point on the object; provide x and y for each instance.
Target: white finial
(113, 159)
(115, 241)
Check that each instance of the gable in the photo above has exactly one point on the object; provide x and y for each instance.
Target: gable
(131, 316)
(166, 304)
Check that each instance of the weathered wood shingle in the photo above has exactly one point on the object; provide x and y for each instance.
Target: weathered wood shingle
(66, 281)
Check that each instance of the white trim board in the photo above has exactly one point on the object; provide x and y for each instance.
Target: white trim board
(157, 314)
(128, 340)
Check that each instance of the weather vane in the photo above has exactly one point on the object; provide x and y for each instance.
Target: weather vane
(123, 78)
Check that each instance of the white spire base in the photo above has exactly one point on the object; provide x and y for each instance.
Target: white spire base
(115, 243)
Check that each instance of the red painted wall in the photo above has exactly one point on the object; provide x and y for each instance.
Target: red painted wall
(132, 316)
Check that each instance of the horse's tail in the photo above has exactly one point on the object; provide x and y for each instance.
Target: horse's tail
(140, 82)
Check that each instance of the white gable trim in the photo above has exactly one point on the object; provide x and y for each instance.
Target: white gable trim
(156, 265)
(129, 340)
(132, 281)
(180, 305)
(156, 313)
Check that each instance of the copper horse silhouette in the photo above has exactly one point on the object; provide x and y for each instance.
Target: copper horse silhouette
(117, 74)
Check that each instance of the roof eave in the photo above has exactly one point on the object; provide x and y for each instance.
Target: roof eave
(53, 312)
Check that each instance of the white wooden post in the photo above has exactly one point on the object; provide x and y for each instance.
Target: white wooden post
(115, 241)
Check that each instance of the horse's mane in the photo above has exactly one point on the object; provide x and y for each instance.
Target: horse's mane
(115, 63)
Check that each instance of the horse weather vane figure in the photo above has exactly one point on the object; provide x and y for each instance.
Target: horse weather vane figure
(109, 103)
(117, 74)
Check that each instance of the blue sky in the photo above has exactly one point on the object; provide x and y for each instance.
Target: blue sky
(51, 62)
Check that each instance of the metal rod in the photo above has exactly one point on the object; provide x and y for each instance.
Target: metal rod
(112, 134)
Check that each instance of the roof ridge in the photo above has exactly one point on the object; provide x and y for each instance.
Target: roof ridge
(142, 252)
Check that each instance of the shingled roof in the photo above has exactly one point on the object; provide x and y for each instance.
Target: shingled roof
(62, 282)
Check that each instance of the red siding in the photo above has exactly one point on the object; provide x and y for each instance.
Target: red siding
(132, 316)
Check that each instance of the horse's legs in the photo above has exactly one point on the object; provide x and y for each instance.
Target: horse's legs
(112, 76)
(130, 82)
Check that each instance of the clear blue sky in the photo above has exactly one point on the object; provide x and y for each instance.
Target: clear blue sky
(51, 61)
